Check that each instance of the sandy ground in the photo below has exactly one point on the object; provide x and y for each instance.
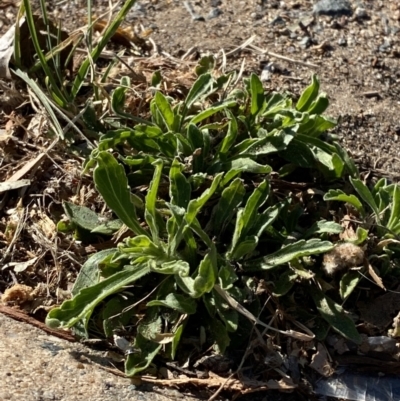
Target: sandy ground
(36, 366)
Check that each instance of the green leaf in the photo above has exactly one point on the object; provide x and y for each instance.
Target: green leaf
(104, 40)
(257, 95)
(175, 228)
(220, 335)
(338, 195)
(165, 110)
(179, 189)
(90, 274)
(204, 277)
(349, 162)
(205, 64)
(47, 104)
(179, 267)
(81, 216)
(348, 283)
(323, 153)
(309, 95)
(229, 138)
(205, 280)
(116, 313)
(270, 142)
(110, 180)
(118, 103)
(150, 203)
(335, 315)
(245, 248)
(361, 236)
(228, 315)
(82, 305)
(210, 111)
(323, 226)
(137, 362)
(317, 125)
(265, 219)
(289, 252)
(180, 303)
(299, 153)
(195, 205)
(227, 276)
(319, 105)
(395, 209)
(366, 196)
(108, 228)
(285, 283)
(247, 217)
(247, 165)
(200, 88)
(176, 340)
(156, 79)
(231, 198)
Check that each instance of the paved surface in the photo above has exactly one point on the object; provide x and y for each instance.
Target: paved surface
(39, 367)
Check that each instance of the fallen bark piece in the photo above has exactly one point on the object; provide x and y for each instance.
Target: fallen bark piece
(214, 380)
(21, 316)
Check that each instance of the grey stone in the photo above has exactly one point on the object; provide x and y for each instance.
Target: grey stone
(214, 13)
(335, 8)
(305, 42)
(361, 13)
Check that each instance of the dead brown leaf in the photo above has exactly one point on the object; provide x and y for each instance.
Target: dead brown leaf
(374, 275)
(320, 362)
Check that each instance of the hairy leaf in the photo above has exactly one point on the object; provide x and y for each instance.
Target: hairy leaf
(366, 196)
(231, 198)
(151, 198)
(90, 274)
(110, 180)
(338, 195)
(165, 110)
(348, 283)
(257, 95)
(181, 303)
(289, 252)
(309, 95)
(139, 361)
(335, 316)
(82, 305)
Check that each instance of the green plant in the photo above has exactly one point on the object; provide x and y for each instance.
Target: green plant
(217, 216)
(44, 54)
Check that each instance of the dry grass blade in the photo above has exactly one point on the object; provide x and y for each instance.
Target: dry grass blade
(215, 380)
(43, 99)
(280, 57)
(245, 44)
(10, 185)
(239, 308)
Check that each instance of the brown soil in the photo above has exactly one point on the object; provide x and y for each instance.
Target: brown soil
(356, 58)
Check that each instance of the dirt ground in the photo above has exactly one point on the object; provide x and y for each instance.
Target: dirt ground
(356, 55)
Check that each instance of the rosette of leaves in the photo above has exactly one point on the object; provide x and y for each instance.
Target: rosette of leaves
(209, 221)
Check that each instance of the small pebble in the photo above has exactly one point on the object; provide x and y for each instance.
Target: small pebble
(214, 13)
(385, 46)
(361, 13)
(334, 8)
(278, 20)
(306, 42)
(216, 3)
